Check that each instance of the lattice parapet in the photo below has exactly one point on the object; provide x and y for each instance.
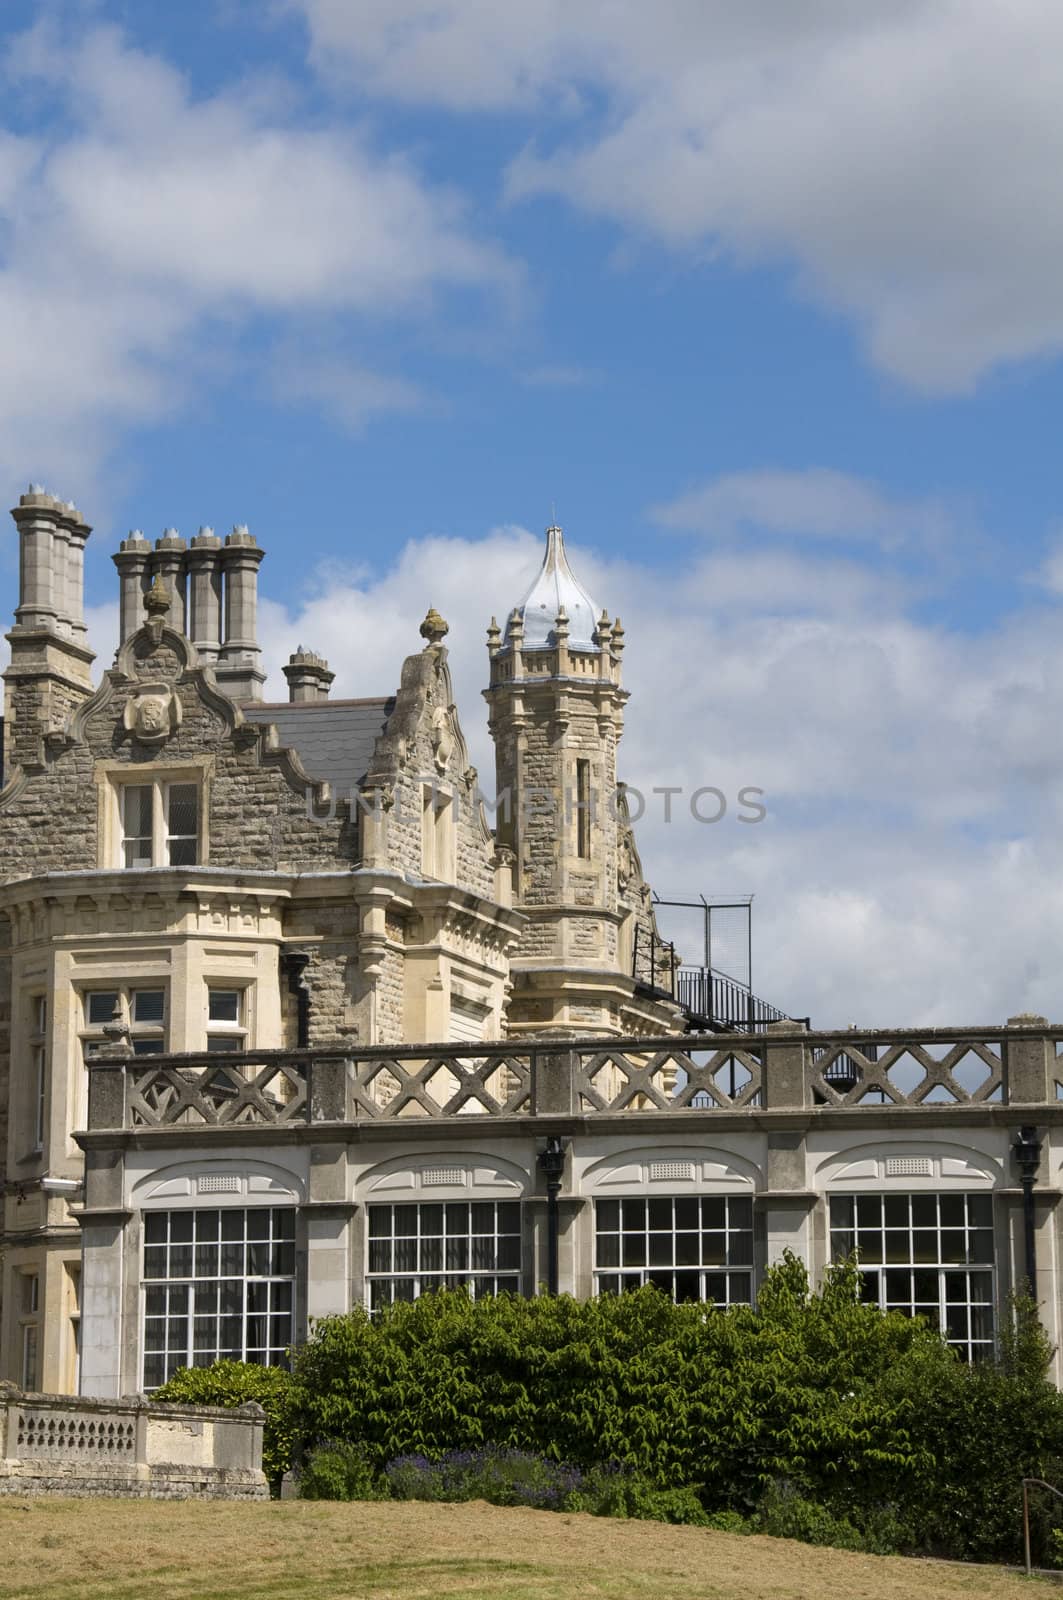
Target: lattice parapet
(909, 1072)
(442, 1085)
(784, 1068)
(669, 1079)
(216, 1092)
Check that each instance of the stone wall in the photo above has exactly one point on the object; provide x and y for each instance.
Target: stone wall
(129, 1449)
(424, 745)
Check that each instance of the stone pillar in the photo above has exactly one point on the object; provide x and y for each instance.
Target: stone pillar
(102, 1242)
(49, 672)
(1027, 1076)
(168, 563)
(327, 1215)
(131, 559)
(203, 563)
(308, 677)
(239, 669)
(786, 1069)
(60, 571)
(78, 530)
(36, 516)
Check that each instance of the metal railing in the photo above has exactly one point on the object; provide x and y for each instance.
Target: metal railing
(1027, 1485)
(710, 998)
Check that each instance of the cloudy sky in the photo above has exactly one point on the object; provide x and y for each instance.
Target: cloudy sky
(765, 299)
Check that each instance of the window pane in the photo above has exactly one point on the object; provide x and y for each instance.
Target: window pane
(149, 1005)
(99, 1006)
(223, 1005)
(220, 1044)
(221, 1307)
(136, 810)
(182, 816)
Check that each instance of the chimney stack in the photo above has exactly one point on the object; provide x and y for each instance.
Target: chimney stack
(49, 672)
(308, 675)
(239, 670)
(131, 559)
(168, 563)
(204, 595)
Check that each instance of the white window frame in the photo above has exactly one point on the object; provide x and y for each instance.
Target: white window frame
(719, 1217)
(92, 1033)
(161, 839)
(219, 1032)
(876, 1242)
(177, 1327)
(114, 777)
(419, 1272)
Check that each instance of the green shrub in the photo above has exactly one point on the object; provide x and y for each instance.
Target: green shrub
(340, 1471)
(882, 1434)
(234, 1383)
(728, 1522)
(788, 1515)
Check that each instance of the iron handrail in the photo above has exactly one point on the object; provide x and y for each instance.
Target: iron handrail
(1027, 1484)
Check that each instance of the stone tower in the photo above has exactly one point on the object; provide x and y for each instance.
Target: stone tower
(49, 672)
(556, 716)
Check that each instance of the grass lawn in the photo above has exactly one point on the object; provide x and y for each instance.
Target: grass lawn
(124, 1550)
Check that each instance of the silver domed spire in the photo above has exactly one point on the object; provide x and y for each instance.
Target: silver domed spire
(557, 589)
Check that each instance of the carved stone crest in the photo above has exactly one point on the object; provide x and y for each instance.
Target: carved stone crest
(153, 714)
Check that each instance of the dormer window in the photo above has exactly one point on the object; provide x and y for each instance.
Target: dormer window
(160, 824)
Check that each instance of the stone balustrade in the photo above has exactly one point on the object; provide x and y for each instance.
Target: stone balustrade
(135, 1448)
(784, 1068)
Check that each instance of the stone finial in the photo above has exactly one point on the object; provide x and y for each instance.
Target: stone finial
(494, 635)
(433, 628)
(618, 635)
(158, 598)
(561, 622)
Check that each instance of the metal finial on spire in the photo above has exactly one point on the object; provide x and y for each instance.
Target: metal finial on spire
(557, 589)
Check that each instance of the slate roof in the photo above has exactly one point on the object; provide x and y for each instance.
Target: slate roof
(334, 738)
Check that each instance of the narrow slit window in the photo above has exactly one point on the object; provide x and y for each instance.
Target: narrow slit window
(583, 810)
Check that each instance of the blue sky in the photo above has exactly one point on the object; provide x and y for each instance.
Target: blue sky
(766, 301)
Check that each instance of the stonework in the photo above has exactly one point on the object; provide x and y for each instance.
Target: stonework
(50, 1444)
(409, 918)
(277, 1006)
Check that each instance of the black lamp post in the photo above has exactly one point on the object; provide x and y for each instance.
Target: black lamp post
(552, 1165)
(1027, 1149)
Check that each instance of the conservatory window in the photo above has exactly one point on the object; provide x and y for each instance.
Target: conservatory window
(693, 1247)
(444, 1244)
(928, 1255)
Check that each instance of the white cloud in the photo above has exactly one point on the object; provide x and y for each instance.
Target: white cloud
(910, 868)
(902, 157)
(817, 503)
(146, 226)
(1050, 576)
(344, 391)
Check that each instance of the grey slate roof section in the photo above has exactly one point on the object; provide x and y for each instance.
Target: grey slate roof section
(334, 738)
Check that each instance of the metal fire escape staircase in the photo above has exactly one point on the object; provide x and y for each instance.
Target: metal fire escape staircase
(713, 1001)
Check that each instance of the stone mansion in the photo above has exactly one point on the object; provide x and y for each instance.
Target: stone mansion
(269, 975)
